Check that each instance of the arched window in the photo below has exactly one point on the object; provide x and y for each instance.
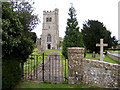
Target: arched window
(47, 19)
(50, 19)
(49, 38)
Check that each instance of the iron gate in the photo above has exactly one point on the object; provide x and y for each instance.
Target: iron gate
(51, 68)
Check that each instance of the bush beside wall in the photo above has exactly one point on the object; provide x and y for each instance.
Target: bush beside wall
(11, 72)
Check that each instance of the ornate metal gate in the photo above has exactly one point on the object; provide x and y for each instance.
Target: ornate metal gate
(51, 68)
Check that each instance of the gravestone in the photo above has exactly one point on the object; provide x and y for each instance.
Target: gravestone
(101, 48)
(93, 55)
(97, 55)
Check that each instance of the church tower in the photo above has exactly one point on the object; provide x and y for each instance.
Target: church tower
(50, 30)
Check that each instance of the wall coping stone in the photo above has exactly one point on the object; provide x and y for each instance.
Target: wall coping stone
(75, 48)
(102, 62)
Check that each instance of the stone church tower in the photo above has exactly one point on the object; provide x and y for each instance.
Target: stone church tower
(50, 30)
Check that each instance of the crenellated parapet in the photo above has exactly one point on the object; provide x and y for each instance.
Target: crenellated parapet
(55, 11)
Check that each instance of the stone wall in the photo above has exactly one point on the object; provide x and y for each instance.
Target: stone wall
(98, 73)
(91, 72)
(115, 57)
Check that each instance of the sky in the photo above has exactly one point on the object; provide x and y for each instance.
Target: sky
(105, 11)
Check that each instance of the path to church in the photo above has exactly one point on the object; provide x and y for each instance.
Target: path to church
(53, 71)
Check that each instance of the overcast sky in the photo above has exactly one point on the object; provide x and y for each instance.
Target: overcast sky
(105, 11)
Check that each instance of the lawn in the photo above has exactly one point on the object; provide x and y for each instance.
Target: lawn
(31, 62)
(31, 84)
(106, 58)
(117, 51)
(47, 52)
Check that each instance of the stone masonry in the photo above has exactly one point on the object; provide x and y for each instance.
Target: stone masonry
(115, 57)
(50, 30)
(49, 39)
(75, 60)
(91, 72)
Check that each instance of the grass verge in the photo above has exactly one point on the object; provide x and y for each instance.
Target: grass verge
(105, 59)
(50, 85)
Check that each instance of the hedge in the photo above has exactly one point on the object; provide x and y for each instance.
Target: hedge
(11, 73)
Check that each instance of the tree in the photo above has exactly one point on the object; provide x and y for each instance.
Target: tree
(114, 42)
(27, 18)
(33, 36)
(17, 42)
(59, 45)
(73, 37)
(18, 21)
(11, 30)
(92, 32)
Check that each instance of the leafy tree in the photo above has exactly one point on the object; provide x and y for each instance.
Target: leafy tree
(11, 30)
(73, 37)
(18, 21)
(92, 32)
(17, 41)
(114, 42)
(59, 45)
(33, 36)
(27, 18)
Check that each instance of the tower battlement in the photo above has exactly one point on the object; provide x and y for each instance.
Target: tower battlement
(56, 10)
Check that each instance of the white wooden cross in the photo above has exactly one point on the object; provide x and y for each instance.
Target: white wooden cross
(101, 48)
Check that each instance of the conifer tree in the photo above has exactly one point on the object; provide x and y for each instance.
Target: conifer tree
(73, 37)
(93, 31)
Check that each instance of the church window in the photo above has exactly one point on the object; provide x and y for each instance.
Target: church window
(48, 19)
(49, 39)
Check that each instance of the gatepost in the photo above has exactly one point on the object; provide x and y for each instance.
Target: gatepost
(75, 65)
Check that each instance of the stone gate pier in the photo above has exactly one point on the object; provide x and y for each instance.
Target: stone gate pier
(91, 72)
(75, 60)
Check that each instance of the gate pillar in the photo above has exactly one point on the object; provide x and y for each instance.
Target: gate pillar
(75, 69)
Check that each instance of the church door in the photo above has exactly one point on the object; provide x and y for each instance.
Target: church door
(49, 46)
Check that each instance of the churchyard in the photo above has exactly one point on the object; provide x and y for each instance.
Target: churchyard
(47, 52)
(47, 66)
(34, 84)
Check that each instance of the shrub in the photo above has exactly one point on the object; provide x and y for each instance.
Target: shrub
(11, 72)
